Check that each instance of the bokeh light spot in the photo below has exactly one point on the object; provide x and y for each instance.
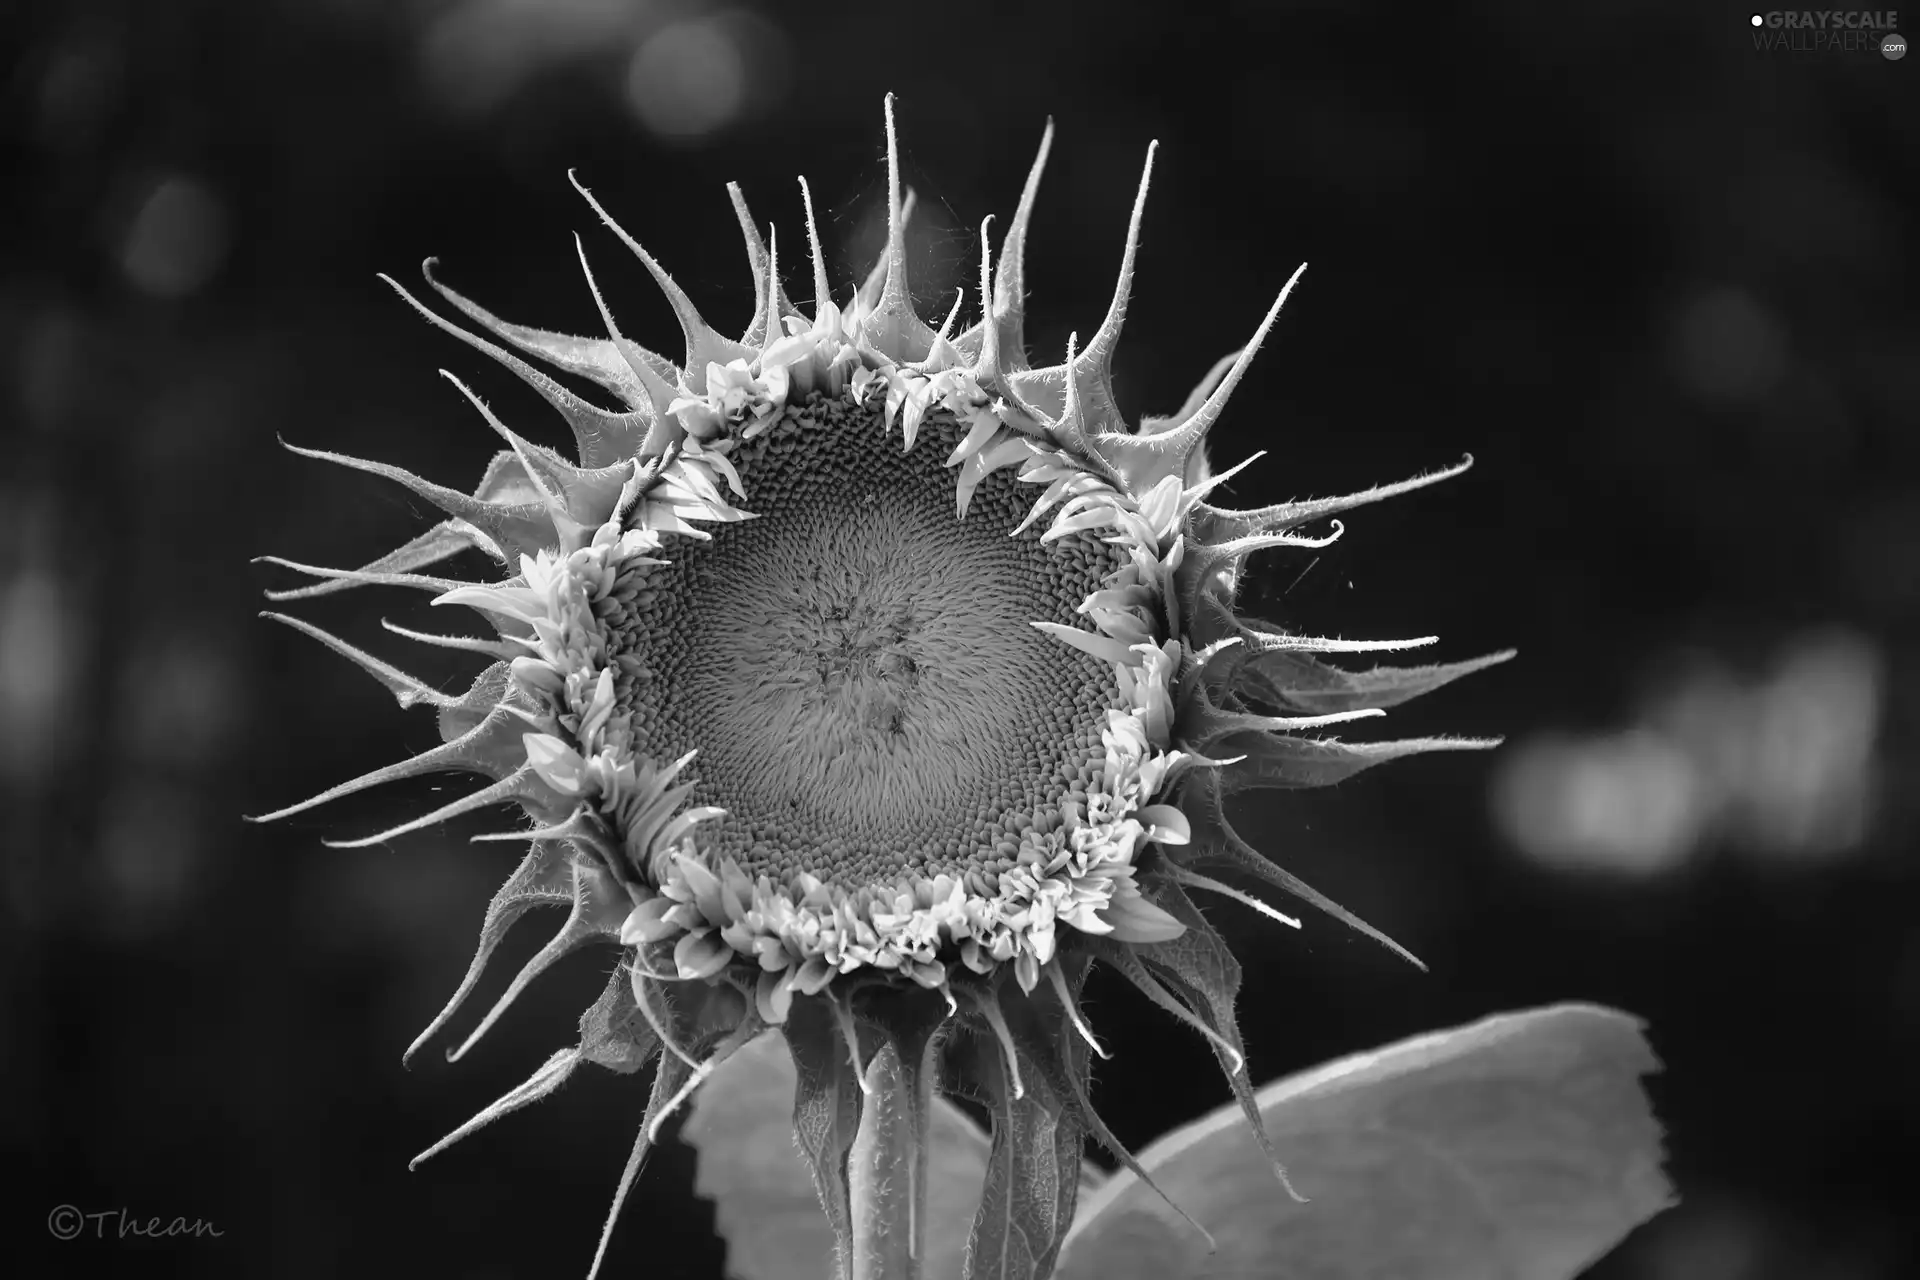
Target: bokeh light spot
(1726, 347)
(688, 79)
(77, 93)
(149, 859)
(177, 240)
(475, 54)
(1780, 768)
(1629, 802)
(39, 648)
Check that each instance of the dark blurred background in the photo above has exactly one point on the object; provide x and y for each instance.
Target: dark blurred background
(1659, 282)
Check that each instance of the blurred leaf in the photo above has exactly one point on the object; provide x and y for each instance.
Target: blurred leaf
(764, 1201)
(1518, 1148)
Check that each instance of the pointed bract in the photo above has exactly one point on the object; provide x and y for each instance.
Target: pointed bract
(1009, 285)
(894, 329)
(822, 295)
(1083, 384)
(1215, 840)
(519, 529)
(600, 435)
(1279, 760)
(542, 879)
(1289, 679)
(704, 345)
(481, 749)
(522, 785)
(599, 360)
(407, 690)
(1223, 523)
(1144, 459)
(1209, 980)
(599, 908)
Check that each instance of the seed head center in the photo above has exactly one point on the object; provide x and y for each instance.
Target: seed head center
(865, 650)
(858, 667)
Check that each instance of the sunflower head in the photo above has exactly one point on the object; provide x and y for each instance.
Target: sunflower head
(860, 679)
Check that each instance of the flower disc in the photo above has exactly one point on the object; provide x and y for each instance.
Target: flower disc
(857, 667)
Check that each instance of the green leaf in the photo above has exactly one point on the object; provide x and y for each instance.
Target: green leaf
(745, 1122)
(1521, 1147)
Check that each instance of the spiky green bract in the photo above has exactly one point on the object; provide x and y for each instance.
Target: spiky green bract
(959, 963)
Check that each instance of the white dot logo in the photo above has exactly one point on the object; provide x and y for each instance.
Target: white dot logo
(1757, 20)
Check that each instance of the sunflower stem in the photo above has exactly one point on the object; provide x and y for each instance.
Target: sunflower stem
(887, 1167)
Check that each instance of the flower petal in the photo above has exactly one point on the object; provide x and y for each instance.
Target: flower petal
(558, 764)
(1134, 919)
(701, 955)
(648, 923)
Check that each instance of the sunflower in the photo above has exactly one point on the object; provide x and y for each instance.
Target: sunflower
(861, 680)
